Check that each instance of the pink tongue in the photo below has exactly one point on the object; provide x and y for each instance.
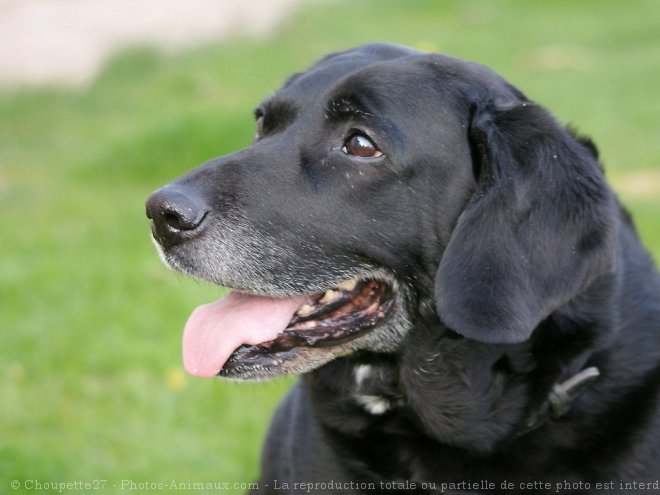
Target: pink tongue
(215, 330)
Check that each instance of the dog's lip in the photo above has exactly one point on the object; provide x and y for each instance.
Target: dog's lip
(327, 319)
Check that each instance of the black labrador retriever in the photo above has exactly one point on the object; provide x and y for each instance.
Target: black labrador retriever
(470, 305)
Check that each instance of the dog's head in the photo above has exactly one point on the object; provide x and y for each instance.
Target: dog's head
(383, 182)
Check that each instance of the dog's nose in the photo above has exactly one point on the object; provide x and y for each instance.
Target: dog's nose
(176, 215)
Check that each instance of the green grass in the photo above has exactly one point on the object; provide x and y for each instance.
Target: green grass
(90, 322)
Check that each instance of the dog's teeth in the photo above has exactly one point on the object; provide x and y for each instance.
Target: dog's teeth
(329, 296)
(348, 285)
(305, 310)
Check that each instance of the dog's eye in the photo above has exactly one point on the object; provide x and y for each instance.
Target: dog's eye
(360, 145)
(260, 127)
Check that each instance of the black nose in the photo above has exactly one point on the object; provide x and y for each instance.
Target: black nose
(176, 215)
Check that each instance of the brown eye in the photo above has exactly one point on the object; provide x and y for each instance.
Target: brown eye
(360, 145)
(260, 127)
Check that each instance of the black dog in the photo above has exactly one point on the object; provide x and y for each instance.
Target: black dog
(471, 305)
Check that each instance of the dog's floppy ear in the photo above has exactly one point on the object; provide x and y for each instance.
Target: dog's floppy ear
(537, 231)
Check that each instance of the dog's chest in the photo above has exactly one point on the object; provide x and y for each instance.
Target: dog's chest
(375, 388)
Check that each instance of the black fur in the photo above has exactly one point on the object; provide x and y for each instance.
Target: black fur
(517, 266)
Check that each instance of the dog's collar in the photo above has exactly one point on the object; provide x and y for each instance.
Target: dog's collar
(560, 399)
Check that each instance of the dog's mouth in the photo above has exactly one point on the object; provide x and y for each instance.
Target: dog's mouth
(244, 332)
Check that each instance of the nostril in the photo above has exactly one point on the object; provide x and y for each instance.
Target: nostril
(183, 220)
(172, 220)
(181, 216)
(176, 214)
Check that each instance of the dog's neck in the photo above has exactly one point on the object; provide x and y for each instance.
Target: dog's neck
(561, 398)
(461, 393)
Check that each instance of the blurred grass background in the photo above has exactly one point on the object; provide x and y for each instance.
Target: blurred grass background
(90, 321)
